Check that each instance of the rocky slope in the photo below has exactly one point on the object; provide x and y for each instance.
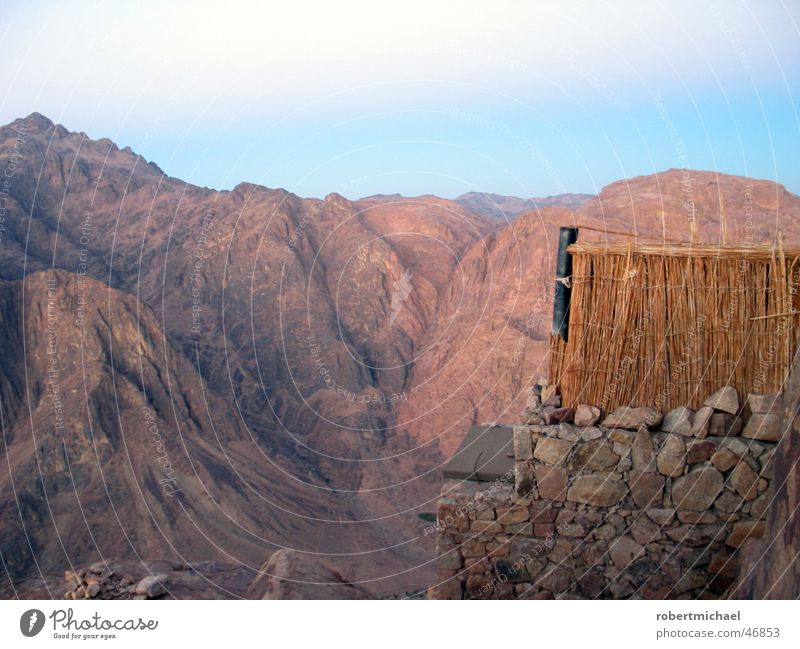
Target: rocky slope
(311, 361)
(508, 208)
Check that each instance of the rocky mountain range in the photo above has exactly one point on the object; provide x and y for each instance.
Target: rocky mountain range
(211, 376)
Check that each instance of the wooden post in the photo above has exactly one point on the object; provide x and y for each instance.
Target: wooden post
(566, 237)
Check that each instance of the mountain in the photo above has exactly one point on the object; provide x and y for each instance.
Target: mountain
(307, 364)
(508, 208)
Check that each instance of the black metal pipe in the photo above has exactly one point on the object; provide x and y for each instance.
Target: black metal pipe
(566, 237)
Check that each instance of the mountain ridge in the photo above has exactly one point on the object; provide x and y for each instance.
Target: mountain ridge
(346, 345)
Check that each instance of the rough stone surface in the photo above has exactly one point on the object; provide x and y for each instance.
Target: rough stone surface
(701, 420)
(523, 448)
(672, 457)
(646, 488)
(632, 418)
(700, 451)
(596, 455)
(643, 452)
(551, 482)
(764, 404)
(678, 421)
(552, 451)
(586, 415)
(725, 400)
(765, 427)
(722, 424)
(624, 551)
(557, 415)
(698, 489)
(599, 489)
(744, 530)
(745, 481)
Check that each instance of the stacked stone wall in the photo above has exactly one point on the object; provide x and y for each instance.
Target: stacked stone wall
(630, 507)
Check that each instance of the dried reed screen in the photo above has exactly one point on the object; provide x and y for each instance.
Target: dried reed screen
(660, 326)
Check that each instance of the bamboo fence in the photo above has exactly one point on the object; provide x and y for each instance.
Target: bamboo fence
(665, 325)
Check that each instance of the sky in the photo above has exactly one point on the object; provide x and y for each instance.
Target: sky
(418, 97)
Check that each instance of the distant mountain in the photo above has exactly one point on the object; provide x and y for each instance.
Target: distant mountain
(308, 363)
(497, 206)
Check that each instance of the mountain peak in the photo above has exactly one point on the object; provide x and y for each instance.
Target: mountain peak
(35, 122)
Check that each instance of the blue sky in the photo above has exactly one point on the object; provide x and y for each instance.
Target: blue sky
(522, 98)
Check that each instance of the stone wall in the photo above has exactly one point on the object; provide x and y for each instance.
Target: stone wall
(632, 507)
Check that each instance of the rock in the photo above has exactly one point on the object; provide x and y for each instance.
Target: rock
(523, 445)
(724, 459)
(598, 489)
(697, 518)
(701, 420)
(620, 436)
(725, 400)
(632, 418)
(514, 514)
(745, 481)
(722, 563)
(744, 530)
(765, 427)
(550, 396)
(724, 425)
(590, 433)
(672, 457)
(660, 516)
(765, 404)
(567, 431)
(557, 415)
(479, 586)
(594, 455)
(767, 461)
(551, 482)
(624, 551)
(642, 451)
(97, 568)
(151, 586)
(556, 579)
(93, 589)
(697, 489)
(586, 416)
(645, 531)
(735, 445)
(523, 478)
(759, 506)
(728, 502)
(678, 421)
(448, 513)
(552, 451)
(534, 401)
(486, 527)
(690, 535)
(646, 488)
(699, 451)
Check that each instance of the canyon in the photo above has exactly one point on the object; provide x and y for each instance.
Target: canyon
(208, 377)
